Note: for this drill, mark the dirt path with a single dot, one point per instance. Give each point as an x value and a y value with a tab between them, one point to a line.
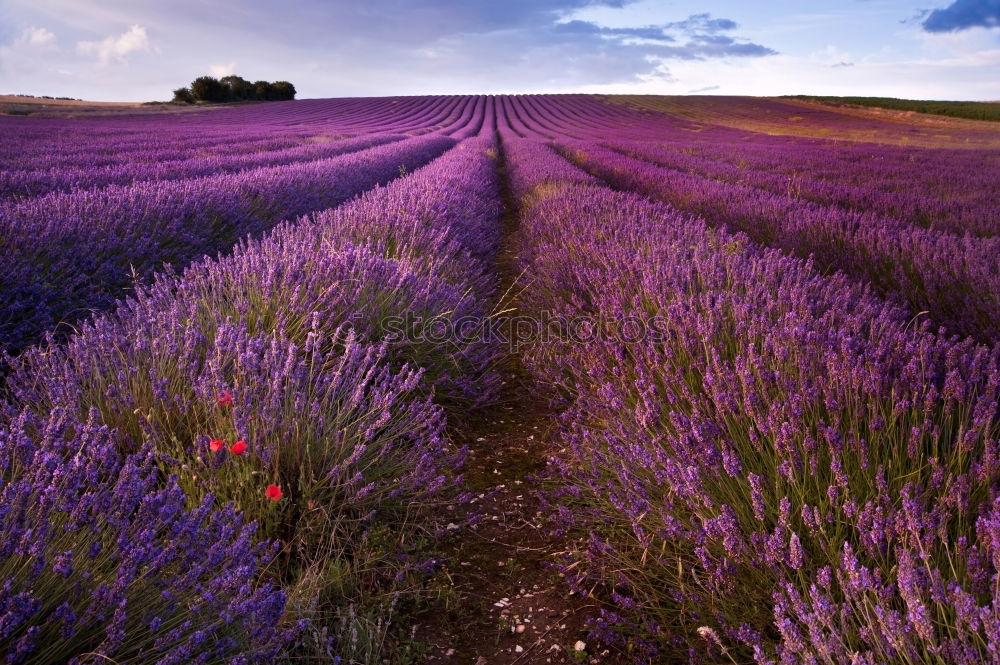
510	606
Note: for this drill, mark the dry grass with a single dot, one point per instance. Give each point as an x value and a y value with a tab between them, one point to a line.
788	117
73	108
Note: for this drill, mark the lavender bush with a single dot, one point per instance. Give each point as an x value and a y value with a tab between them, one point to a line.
954	278
72	252
789	472
101	559
266	325
267	376
944	212
25	183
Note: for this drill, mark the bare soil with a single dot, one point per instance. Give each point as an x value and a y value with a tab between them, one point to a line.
510	605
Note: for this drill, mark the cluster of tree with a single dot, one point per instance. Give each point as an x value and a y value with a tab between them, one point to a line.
233	89
71	99
972	110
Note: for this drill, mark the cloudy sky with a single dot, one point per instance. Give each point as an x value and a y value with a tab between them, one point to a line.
142	49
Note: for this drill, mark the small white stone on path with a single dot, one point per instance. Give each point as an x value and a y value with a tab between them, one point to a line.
518	649
580	645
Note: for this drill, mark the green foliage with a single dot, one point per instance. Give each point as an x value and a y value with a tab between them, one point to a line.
237	88
971	110
282	90
233	88
207	89
260	89
183	96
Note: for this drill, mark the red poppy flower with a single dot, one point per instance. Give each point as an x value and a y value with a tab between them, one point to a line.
215	445
274	493
238	448
224	398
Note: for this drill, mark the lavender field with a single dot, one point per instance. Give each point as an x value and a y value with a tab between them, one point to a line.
515	378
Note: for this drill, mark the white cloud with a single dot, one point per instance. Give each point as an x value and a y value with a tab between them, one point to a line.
218	71
36	38
28	55
960	77
133	40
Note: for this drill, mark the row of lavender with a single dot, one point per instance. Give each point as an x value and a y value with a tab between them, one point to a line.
955	278
107	154
899	242
262	383
73	252
772	465
910	206
36	146
955	174
80	233
946	189
24	183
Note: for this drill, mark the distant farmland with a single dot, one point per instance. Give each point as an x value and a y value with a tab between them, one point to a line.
972	110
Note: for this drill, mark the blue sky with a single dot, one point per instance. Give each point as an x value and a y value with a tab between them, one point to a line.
142	49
